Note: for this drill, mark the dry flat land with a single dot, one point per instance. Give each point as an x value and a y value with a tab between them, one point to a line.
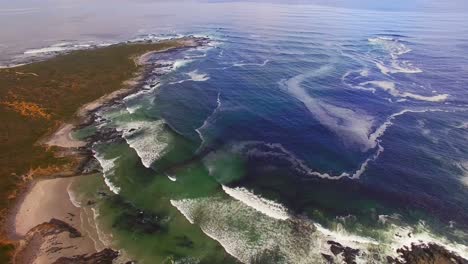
39	98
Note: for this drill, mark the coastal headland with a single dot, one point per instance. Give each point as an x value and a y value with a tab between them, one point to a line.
41	103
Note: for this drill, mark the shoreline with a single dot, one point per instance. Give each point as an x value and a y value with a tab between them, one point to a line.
30	191
57	186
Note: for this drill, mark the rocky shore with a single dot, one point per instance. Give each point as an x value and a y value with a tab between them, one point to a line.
46	225
49	228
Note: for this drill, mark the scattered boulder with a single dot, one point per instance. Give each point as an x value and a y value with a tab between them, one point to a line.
349	254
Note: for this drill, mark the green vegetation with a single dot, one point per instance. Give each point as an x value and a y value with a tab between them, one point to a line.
35	99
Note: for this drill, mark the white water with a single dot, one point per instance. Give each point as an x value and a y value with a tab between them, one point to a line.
207	121
180	63
390	87
107	166
463	166
267	207
198	77
277	150
171	178
352	126
395	49
251	64
147	138
233	224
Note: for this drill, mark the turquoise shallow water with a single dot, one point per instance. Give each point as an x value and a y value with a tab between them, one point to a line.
297	125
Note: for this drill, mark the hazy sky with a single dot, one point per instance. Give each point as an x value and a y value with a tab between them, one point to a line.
30	24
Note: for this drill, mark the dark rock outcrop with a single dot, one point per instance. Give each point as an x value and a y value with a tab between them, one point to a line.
426	254
61	226
106	256
349	254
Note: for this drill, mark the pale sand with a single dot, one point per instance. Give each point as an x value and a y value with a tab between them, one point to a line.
63	138
49	199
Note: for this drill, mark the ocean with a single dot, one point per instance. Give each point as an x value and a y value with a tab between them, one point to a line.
295	126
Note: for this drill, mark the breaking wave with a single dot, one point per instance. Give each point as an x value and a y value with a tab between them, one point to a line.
249	234
147	138
208	120
198	77
107	166
267	207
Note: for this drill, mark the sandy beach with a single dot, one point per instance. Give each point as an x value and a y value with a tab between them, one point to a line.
46	200
47	224
63	138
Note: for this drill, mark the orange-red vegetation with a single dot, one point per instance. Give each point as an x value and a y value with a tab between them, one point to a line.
28	109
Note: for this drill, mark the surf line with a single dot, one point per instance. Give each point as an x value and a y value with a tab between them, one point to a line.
375	137
207	122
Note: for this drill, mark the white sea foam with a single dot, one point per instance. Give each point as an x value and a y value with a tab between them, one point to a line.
155	37
132	109
251	64
104	238
195	76
463	166
107	166
395	48
357	87
64	47
277	150
364	73
397	67
390	87
399	236
383	219
198	77
208	119
256	148
72	197
342	236
351	125
184	208
267	207
181	63
171	177
463	125
245	233
48	50
147	138
147	89
379	132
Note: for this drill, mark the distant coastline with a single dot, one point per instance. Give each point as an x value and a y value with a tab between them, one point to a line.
38	204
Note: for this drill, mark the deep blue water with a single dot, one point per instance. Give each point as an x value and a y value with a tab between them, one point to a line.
304	84
356	114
